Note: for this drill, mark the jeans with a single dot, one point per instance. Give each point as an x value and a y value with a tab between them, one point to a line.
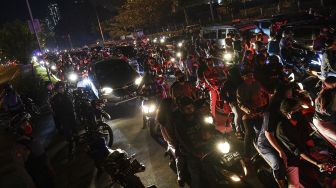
195	171
273	159
238	122
252	128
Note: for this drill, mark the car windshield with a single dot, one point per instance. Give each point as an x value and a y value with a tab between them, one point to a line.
127	51
114	72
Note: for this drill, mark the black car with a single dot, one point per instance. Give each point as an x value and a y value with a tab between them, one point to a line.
115	80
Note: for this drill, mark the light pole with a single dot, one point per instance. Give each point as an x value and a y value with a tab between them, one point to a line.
36	34
211	11
100	28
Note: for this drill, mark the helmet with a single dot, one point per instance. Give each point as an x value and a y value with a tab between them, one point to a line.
8	87
59	85
287	33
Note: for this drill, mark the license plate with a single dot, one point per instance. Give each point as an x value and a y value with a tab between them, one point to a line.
231	157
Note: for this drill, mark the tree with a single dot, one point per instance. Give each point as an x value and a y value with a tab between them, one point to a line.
143	13
16	41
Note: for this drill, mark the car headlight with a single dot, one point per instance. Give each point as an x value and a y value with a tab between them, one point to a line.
209	120
300	86
138	81
228	57
73	77
235	178
53	67
223	147
107	90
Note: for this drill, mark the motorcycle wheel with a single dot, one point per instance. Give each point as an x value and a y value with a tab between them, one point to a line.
108	132
152	127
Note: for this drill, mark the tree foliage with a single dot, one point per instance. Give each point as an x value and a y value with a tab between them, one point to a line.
16	41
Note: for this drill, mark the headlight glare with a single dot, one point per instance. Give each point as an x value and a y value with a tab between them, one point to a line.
138	81
73	77
107	90
223	147
228	57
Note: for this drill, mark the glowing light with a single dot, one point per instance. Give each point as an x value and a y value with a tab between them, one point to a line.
138	81
209	120
223	147
228	56
107	90
235	178
179	54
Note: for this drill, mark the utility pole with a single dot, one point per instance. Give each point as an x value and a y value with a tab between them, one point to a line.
36	34
211	11
70	42
185	16
100	28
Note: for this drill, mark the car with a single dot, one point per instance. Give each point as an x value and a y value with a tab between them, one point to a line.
217	33
131	54
304	32
115	80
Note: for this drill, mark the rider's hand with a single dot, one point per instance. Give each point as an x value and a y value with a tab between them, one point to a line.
284	157
323	166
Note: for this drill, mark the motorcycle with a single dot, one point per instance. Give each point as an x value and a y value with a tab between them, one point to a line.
121	167
149	108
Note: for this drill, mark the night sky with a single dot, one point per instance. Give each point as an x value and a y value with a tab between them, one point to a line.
11	10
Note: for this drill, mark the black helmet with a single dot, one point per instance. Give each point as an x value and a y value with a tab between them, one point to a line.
8	87
59	85
287	32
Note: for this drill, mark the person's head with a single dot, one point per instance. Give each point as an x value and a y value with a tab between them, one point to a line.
287	33
261	59
329	82
284	91
248	56
201	106
8	88
259	37
273	59
237	37
330	43
21	123
167	106
210	62
186	105
49	85
60	87
291	109
247	76
180	76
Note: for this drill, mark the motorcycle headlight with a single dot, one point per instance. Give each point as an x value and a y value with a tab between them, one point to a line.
180	44
223	147
228	57
235	178
147	109
138	81
178	54
172	59
107	90
208	120
73	77
53	67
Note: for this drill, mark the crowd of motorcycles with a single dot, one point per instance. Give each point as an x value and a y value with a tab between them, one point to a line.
224	162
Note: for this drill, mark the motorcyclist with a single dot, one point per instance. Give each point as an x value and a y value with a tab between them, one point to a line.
165	115
325	112
12	102
193	138
267	143
328	66
181	87
287	49
252	99
293	137
64	115
30	151
211	77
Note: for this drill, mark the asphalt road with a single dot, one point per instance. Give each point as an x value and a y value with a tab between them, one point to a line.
129	136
